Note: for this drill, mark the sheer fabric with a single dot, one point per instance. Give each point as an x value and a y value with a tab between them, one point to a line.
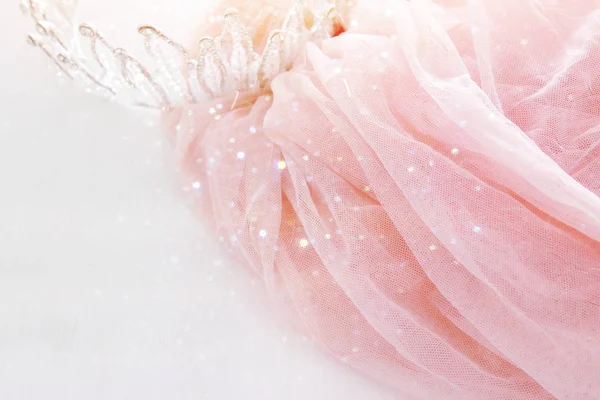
422	194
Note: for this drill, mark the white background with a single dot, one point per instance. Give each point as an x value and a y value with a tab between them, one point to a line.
109	288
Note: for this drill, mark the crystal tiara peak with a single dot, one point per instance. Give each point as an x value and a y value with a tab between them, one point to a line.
173	75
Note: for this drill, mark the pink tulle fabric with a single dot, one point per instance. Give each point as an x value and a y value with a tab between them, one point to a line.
422	194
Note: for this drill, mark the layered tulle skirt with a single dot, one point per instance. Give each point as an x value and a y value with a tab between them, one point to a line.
422	194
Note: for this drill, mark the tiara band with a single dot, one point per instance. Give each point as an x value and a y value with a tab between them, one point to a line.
174	75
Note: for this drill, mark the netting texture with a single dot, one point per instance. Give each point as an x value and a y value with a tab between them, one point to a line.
421	194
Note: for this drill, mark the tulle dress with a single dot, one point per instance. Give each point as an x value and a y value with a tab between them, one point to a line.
420	191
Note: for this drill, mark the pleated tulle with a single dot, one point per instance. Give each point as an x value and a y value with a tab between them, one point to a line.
422	194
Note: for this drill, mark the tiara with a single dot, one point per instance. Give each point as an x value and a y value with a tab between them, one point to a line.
173	75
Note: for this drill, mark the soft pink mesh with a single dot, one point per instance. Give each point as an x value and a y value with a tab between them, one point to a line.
422	192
